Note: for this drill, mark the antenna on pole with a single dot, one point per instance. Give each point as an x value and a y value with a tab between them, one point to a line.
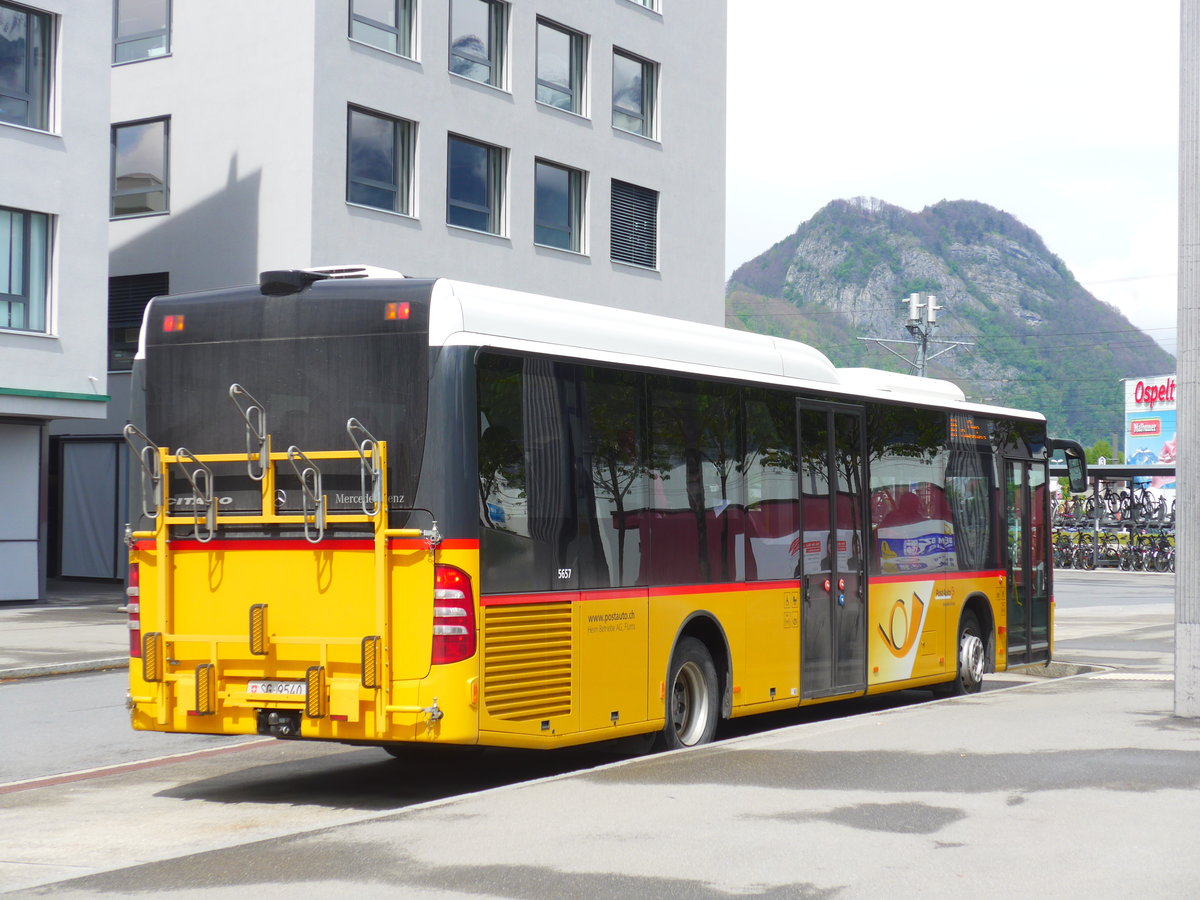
921	328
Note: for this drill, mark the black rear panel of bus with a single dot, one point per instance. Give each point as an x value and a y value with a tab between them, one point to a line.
340	349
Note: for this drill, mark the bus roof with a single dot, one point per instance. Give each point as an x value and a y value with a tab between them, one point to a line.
478	315
467	314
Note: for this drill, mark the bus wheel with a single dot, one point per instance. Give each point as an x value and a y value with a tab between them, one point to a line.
691	697
971	656
971	660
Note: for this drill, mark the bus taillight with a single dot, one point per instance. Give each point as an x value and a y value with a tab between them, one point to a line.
134	608
453	616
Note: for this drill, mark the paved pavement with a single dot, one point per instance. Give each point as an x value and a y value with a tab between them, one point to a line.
81	626
1081	786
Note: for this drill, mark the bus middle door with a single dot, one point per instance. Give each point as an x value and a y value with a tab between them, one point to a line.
833	584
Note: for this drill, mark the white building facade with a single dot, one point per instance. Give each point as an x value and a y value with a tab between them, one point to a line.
54	92
557	147
563	148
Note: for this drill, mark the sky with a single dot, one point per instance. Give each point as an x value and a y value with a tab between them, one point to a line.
1063	113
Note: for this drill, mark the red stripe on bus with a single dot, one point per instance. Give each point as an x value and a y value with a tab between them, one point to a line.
935	576
422	544
290	544
627	593
300	544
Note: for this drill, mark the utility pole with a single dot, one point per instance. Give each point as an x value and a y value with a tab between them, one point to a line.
1187	524
921	327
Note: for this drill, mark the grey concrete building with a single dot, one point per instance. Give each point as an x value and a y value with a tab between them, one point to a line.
54	83
558	147
574	149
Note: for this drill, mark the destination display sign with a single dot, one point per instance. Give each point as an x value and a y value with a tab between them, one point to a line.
966	429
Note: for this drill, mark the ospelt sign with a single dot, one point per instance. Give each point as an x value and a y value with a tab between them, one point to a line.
1150	420
1152	392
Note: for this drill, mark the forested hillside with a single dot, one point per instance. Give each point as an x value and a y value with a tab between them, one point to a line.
1040	340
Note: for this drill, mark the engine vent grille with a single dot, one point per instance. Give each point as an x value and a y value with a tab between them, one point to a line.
527	661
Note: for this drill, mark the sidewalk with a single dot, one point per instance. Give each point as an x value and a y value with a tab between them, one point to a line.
80	627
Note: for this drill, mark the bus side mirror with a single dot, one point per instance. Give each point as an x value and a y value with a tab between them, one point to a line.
1077	475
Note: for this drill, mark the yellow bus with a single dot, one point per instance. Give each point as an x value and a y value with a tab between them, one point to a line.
399	511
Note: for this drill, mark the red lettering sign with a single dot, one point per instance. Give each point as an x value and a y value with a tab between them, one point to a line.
1154	393
1145	427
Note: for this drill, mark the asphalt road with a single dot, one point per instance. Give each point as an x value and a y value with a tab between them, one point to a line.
106	798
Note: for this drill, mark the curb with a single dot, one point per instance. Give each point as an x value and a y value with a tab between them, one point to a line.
66	668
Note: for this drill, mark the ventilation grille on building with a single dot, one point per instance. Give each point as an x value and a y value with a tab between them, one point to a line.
527	661
634	224
129	294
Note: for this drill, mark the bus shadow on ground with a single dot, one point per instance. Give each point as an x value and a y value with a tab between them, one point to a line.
368	779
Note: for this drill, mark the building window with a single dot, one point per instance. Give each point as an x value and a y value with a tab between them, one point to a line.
475	185
634	225
560	67
25	66
386	24
139	168
24	269
141	29
558	207
649	4
379	161
478	32
634	87
127	299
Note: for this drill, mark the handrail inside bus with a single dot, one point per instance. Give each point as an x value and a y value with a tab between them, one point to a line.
256	431
369	470
312	494
150	459
202	496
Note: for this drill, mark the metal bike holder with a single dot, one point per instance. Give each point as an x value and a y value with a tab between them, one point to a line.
309	494
257	440
201	479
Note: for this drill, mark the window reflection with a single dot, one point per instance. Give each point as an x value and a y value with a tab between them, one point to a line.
139	184
142	30
24	67
477	39
386	24
378	166
474	180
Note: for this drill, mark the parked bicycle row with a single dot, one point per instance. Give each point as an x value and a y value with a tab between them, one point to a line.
1138	550
1112	508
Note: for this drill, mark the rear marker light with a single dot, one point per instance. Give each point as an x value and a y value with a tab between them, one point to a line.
135	611
453	616
173	323
397	311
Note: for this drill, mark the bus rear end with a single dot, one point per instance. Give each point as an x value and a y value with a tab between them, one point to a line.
283	579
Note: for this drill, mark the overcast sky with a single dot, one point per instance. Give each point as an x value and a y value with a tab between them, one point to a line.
1063	113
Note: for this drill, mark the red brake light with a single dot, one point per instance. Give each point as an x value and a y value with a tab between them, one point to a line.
397	311
134	608
173	323
453	616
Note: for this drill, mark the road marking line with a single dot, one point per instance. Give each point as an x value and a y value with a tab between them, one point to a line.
119	768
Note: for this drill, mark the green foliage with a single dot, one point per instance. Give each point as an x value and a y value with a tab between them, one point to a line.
1102	448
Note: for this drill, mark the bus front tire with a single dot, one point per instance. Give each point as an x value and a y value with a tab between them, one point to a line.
971	661
692	700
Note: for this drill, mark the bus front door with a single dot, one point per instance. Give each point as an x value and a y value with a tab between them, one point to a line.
1026	562
832	576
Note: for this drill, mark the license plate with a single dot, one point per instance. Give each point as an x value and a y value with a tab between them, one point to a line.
278	688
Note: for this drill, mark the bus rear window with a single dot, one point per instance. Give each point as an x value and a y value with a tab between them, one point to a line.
309	387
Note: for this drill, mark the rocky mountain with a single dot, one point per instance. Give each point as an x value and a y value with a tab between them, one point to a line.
1038	339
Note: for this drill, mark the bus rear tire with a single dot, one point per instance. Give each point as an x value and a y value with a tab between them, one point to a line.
692	699
971	661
